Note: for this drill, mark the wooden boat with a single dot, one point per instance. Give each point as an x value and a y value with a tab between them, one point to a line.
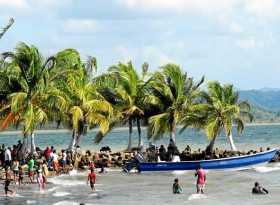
224	163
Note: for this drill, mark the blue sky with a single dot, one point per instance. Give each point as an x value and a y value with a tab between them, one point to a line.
233	41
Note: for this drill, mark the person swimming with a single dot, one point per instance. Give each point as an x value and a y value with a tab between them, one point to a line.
259	189
176	188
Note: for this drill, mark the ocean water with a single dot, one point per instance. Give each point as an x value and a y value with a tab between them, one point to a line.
253	137
115	187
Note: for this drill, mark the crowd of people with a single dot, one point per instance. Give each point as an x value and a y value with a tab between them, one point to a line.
34	167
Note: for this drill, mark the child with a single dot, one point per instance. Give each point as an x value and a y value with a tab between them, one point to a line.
40	180
176	187
7	182
15	165
92	179
20	176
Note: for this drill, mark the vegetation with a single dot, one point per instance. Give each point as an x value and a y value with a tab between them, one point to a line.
6	28
224	109
62	89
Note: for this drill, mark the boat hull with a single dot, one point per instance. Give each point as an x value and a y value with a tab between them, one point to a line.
225	163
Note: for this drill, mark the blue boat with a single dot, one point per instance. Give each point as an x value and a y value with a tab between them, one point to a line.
224	163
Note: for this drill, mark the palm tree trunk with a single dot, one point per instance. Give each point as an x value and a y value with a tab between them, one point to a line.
24	148
232	145
210	147
72	142
129	135
140	140
32	143
173	131
78	140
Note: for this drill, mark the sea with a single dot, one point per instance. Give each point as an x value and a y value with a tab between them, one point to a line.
229	187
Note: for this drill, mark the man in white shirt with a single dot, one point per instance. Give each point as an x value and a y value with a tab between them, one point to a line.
8	157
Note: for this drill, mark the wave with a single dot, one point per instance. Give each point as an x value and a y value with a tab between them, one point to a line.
31	202
196	197
179	172
58	194
66	182
265	169
66	203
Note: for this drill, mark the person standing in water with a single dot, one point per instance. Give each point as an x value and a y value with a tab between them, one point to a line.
30	169
20	176
92	179
176	188
40	180
8	180
201	180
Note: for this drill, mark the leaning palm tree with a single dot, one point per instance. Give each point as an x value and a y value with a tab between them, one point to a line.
127	94
224	110
6	28
85	105
174	93
29	104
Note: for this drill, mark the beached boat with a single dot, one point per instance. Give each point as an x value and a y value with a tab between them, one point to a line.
224	163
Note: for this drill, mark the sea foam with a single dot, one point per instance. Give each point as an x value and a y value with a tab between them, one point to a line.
58	194
197	196
266	169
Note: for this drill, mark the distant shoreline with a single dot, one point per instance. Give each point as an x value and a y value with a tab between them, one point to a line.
51	131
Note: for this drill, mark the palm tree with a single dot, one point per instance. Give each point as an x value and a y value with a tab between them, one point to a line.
29	103
127	92
85	105
6	28
224	110
174	93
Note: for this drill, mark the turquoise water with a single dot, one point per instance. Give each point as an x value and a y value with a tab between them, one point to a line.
253	137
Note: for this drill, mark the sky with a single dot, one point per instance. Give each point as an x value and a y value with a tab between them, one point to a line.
233	41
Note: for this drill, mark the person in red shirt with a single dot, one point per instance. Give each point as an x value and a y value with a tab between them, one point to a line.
92	179
47	153
201	179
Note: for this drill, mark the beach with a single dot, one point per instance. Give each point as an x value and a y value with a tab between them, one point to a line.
115	187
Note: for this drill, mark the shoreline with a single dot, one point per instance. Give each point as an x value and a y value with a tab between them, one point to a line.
51	131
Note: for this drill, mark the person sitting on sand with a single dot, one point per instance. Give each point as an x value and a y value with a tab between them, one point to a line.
201	180
8	180
258	189
176	188
92	179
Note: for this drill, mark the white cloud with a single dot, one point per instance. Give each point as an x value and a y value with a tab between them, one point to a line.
80	26
235	27
247	43
153	53
259	8
124	53
263	8
180	5
13	3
